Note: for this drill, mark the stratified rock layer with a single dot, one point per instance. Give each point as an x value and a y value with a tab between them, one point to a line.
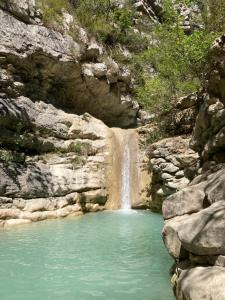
58	160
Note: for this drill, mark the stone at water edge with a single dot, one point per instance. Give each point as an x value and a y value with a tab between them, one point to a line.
171	238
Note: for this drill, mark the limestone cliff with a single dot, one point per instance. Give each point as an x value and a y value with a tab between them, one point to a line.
54	156
46	65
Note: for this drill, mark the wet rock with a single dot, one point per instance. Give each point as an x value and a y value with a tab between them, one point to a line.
15	222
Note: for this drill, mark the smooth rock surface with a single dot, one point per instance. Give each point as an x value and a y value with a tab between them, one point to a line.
203	233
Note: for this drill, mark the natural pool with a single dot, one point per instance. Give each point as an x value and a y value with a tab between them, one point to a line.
110	256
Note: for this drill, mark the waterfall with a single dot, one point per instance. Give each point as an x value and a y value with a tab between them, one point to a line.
126	178
123	179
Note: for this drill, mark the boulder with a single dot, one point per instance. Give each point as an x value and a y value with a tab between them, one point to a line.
171	238
201	283
203	233
186	201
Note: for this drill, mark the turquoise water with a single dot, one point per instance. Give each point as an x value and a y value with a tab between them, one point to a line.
110	256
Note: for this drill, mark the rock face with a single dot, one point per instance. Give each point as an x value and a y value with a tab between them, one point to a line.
194	216
57	162
173	165
208	137
152	8
25	10
182	118
54	156
45	64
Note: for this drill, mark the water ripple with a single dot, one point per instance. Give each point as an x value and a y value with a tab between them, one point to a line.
113	256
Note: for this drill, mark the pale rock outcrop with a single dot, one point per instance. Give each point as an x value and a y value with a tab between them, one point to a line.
191	15
173	165
55	156
152	8
37	59
57	163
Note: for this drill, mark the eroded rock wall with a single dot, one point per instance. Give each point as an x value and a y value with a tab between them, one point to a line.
50	160
69	73
54	155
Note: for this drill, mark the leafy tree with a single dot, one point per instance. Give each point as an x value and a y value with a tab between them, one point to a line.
179	60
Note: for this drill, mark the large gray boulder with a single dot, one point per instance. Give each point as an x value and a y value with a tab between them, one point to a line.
202	192
203	233
171	238
201	283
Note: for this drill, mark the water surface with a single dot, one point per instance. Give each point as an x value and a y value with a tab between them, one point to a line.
110	256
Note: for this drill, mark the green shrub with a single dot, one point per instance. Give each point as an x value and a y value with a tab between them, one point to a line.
77	148
156	135
52	11
105	20
80	148
153	95
6	155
